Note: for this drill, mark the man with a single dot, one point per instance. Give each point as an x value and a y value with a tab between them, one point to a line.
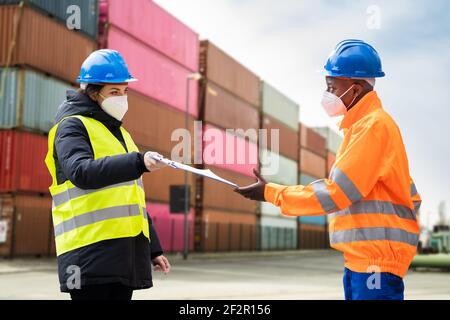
370	196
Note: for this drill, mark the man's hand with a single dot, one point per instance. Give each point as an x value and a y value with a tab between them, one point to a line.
161	264
254	191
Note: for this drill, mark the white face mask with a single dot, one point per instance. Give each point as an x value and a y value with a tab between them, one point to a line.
333	104
115	106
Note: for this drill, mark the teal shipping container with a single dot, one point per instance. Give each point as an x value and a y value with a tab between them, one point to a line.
68	12
277	168
278	233
29	99
277	105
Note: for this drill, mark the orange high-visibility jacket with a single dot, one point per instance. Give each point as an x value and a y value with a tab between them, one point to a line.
369	194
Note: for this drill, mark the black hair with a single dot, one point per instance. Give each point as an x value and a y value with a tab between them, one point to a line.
91	89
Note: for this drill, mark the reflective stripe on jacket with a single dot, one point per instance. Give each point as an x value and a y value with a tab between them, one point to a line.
369	194
82	217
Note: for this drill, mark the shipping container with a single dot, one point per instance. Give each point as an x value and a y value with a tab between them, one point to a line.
312	164
229	112
313	220
170	227
268	209
157	183
287	138
76	15
22	166
41	43
159	77
228	231
29	224
278	169
149	23
333	138
151	124
278	233
221	196
280	107
228	151
331	158
306	179
313	141
312	237
30	99
226	72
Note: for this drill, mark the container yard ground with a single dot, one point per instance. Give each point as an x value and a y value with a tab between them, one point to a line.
254	275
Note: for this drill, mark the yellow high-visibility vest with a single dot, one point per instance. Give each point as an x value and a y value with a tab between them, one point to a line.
83	217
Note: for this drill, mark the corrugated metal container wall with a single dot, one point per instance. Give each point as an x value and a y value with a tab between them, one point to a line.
288	138
154	26
307	179
312	141
159	77
331	158
42	43
314	220
228	151
220	196
22	166
312	237
277	105
223	70
170	227
284	172
278	233
157	183
32	229
334	140
312	164
31	99
151	124
7	216
228	231
228	111
88	12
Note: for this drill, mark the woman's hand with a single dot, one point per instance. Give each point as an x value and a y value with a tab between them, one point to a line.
151	163
161	264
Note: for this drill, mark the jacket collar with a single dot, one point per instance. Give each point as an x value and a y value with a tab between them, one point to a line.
369	103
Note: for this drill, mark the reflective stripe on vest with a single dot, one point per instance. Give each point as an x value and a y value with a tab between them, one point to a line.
378	233
376	206
83	217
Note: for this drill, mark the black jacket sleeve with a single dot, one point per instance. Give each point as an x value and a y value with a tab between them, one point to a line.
155	245
76	159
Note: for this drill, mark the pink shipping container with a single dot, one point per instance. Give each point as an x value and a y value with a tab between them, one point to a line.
149	23
227	151
170	227
22	166
159	77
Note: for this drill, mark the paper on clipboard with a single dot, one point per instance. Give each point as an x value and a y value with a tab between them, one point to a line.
201	172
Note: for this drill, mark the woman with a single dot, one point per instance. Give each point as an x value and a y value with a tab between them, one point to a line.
105	240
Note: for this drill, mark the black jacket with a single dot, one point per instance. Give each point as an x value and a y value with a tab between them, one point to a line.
124	260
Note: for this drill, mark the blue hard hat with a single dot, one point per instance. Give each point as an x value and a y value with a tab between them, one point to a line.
104	66
354	59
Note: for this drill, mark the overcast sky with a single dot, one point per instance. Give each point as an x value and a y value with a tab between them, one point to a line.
285	42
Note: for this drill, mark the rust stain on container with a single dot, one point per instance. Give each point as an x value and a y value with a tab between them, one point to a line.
226	72
228	111
288	138
220	196
41	42
312	140
312	164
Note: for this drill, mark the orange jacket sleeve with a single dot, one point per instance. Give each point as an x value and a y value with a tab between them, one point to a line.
359	165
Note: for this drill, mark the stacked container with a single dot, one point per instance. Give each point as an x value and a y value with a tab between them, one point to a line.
161	52
278	164
229	100
40	59
313	162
